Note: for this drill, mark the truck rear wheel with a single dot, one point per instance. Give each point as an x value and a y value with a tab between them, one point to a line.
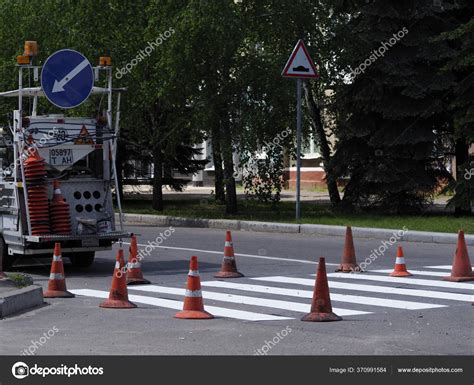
82	260
5	259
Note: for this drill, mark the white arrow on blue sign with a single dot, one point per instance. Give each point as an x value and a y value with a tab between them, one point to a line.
67	78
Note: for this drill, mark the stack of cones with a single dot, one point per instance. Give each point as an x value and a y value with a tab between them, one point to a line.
229	266
134	268
57	281
35	176
193	307
462	269
400	269
118	296
321	308
59	212
348	263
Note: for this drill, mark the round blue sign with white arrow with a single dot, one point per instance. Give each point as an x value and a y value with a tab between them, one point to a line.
67	78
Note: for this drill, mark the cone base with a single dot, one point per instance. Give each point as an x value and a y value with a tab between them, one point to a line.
137	281
193	314
228	274
401	274
57	294
321	317
349	268
117	304
459	279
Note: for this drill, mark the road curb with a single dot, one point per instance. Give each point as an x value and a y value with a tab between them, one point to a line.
15	301
274	227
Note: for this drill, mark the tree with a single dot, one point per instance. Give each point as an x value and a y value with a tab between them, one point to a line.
389	112
461	64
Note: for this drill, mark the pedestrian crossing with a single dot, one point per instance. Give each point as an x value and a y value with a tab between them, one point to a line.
282	298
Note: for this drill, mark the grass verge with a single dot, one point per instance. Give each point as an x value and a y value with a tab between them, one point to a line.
311	213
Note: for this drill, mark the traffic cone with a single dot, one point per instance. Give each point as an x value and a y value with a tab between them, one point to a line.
229	267
321	309
57	281
400	269
462	269
349	263
193	307
134	267
118	296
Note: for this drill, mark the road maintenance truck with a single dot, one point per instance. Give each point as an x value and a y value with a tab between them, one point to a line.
58	171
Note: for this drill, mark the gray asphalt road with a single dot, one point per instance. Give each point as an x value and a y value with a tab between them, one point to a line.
381	316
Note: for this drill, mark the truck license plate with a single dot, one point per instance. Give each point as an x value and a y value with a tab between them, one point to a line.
61	157
90	242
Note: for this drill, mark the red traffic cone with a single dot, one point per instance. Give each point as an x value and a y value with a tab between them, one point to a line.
134	267
229	267
57	281
348	263
118	296
462	269
193	307
400	269
321	308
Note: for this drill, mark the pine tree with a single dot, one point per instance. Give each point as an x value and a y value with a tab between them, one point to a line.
388	114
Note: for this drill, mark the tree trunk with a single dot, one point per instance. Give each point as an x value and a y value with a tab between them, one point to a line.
462	157
217	158
315	115
157	179
229	180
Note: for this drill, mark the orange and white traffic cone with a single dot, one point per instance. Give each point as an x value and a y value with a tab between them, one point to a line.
193	307
349	263
229	266
321	308
134	266
118	296
462	269
400	269
57	281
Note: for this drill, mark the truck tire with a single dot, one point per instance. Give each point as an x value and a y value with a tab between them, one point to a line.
5	259
82	260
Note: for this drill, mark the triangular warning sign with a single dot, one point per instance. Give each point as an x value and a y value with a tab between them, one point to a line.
84	137
300	64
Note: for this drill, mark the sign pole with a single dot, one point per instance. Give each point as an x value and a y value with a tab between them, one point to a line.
299	66
298	149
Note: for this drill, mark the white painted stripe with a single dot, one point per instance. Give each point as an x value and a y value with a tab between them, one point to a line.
178	305
415	272
237	254
117	264
57	258
193	273
228	244
193	293
372	288
441	267
408	281
226	258
244	300
400	260
370	301
56	276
